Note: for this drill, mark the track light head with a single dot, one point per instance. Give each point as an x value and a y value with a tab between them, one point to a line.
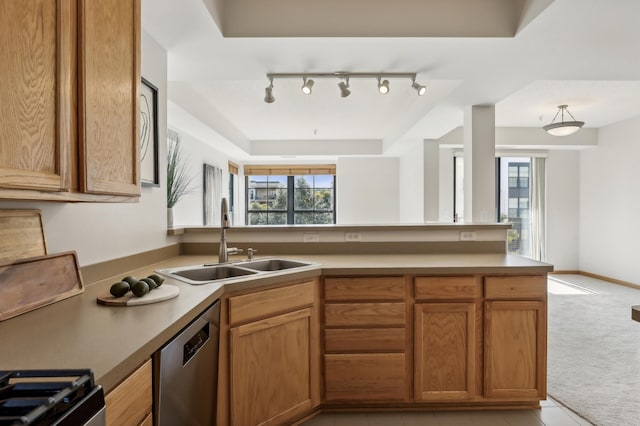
307	85
344	88
383	86
268	93
419	88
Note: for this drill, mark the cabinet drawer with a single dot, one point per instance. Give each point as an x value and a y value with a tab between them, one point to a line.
365	377
448	288
365	340
364	289
364	314
520	287
263	303
129	403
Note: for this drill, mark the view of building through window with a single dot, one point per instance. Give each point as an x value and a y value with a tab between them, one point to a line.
513	196
514	203
280	200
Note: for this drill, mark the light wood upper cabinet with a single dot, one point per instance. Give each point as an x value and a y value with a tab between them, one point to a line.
35	94
70	72
109	49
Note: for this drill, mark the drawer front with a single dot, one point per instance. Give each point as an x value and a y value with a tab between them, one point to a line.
364	314
365	377
516	287
264	303
364	289
429	288
365	340
130	402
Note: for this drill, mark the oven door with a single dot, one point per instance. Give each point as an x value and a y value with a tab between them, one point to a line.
89	411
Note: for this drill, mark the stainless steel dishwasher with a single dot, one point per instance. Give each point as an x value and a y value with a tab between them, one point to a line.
187	373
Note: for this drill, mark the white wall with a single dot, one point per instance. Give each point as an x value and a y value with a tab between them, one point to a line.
563	209
189	210
610	203
446	185
411	184
367	190
99	231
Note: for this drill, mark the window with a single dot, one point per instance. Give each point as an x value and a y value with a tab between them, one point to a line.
300	199
515	187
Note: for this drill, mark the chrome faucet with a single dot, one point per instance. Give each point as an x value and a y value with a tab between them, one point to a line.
225	223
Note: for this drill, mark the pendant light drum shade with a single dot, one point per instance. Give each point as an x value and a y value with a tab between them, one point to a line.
563	128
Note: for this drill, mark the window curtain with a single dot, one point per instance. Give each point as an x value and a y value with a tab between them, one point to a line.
538	210
212	195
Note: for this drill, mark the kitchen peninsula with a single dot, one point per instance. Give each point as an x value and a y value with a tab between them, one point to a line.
417	330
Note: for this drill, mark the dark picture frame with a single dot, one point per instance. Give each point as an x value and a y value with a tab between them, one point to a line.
149	172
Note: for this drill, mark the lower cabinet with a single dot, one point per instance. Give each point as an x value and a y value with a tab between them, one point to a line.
365	340
444	351
274	359
515	349
515	337
365	377
129	403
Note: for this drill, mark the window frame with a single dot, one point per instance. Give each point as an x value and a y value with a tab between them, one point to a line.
290	210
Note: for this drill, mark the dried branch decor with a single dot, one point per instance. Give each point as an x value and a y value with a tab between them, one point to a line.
178	178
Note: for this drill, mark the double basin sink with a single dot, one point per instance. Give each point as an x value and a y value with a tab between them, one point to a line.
206	274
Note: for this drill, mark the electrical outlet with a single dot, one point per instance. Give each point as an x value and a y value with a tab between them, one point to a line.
311	237
467	236
352	237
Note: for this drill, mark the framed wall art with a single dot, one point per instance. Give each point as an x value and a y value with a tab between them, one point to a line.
149	173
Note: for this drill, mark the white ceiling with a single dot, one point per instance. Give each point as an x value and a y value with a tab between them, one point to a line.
580	52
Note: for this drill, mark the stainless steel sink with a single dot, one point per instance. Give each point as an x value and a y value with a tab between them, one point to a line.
206	274
273	264
223	272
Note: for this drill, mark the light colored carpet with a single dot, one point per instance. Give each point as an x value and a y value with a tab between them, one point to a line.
594	349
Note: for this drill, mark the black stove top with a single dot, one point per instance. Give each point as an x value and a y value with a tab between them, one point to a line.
48	397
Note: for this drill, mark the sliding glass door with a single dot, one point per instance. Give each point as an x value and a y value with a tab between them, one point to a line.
520	199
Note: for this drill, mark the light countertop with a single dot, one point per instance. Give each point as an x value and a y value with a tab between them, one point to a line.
113	341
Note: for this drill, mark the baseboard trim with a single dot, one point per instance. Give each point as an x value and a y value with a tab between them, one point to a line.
609	279
565	272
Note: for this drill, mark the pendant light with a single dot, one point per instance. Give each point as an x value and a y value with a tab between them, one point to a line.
563	128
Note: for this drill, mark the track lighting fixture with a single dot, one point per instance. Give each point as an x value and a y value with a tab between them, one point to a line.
563	128
268	93
418	87
307	85
343	85
383	86
344	88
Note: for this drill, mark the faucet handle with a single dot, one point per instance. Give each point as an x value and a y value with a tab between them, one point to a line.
250	253
234	250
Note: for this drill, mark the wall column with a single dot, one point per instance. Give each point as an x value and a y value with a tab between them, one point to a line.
479	163
431	180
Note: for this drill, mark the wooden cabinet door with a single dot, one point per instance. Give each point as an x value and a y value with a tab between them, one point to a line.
35	94
444	357
515	349
109	68
271	369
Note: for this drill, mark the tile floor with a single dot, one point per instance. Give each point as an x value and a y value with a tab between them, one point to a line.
552	413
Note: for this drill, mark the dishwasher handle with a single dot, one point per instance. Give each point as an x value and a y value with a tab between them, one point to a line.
195	343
